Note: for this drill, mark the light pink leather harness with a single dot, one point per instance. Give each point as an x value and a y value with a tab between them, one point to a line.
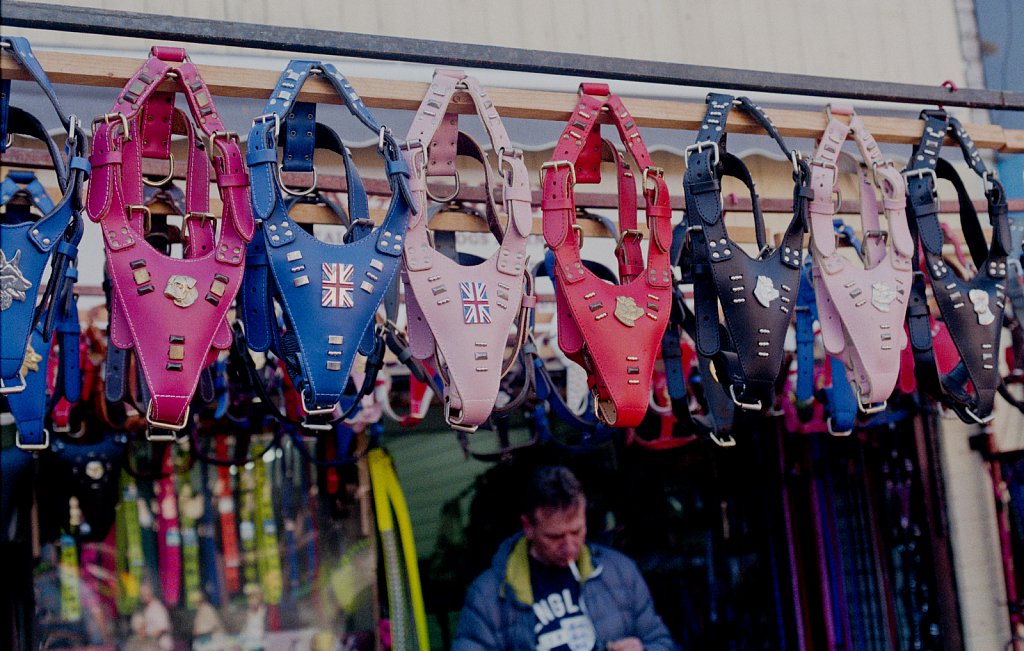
861	306
170	310
461	313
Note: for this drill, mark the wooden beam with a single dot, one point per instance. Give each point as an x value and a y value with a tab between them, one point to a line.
114	72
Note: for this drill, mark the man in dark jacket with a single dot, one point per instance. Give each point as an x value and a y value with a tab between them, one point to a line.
548	590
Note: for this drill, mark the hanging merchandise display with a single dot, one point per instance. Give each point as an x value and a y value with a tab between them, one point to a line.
757	426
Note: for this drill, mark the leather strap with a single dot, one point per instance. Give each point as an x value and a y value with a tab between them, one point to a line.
972	309
153	292
447	305
619	376
861	305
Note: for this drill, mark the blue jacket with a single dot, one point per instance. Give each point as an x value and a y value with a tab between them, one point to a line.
498	612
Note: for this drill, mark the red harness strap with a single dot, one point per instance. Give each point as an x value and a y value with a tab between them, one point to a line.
613	331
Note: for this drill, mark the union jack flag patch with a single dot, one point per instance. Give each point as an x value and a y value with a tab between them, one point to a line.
475	306
336	285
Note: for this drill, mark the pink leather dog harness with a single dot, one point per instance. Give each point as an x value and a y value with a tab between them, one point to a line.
861	307
613	331
170	310
465	313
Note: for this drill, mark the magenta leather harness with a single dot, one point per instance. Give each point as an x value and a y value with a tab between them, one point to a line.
171	311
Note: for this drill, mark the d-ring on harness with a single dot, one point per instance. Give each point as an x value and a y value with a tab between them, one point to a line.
170	310
861	306
465	312
613	331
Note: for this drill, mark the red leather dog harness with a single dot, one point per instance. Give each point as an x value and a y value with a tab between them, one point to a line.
171	311
613	331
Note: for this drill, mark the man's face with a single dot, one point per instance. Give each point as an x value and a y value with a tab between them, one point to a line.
556	535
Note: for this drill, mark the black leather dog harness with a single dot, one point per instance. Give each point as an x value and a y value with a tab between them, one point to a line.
971	308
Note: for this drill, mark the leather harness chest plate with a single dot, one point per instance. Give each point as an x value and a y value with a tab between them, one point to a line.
172	311
612	330
329	293
465	313
861	305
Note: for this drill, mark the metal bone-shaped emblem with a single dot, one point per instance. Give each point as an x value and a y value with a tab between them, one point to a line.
12	282
882	296
765	291
182	290
979	298
627	311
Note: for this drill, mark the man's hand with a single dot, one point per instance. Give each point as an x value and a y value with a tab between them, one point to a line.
626	644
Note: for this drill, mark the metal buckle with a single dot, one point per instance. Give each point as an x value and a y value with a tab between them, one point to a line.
880	234
295	193
870	408
833	432
579	235
652	171
166	179
172	427
18	388
266	118
469	429
455	192
554	165
201	217
147	216
212	138
634	233
728	442
105	118
315	412
988	179
874	170
795	156
380	138
409	147
749	406
697	147
73	125
32	447
979	420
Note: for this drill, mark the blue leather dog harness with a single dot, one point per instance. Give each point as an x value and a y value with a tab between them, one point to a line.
326	322
27	246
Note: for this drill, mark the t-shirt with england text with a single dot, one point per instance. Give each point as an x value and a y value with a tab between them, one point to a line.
562	622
